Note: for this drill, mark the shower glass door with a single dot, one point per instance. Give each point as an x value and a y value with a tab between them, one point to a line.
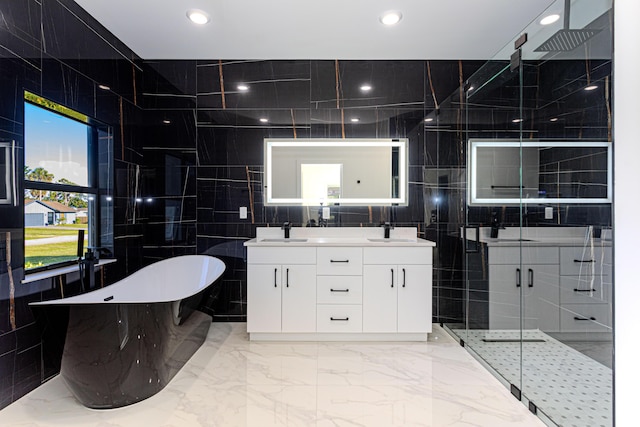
535	228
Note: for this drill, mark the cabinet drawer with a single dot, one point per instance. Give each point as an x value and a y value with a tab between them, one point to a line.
398	255
585	289
530	255
339	290
585	260
340	261
585	318
339	318
271	255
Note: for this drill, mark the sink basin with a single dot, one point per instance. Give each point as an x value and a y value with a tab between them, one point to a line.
283	240
391	240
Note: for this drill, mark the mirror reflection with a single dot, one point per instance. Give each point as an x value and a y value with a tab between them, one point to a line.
552	172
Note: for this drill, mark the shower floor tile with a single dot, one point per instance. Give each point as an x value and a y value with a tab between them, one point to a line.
569	387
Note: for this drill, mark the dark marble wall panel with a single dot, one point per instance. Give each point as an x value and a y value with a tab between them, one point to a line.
53	48
20	31
170	84
73	37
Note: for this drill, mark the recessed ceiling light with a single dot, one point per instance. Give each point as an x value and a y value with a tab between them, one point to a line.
391	17
166	122
550	19
198	16
516	120
108	198
428	119
365	88
470	88
104	87
243	87
149	200
264	120
591	87
355	119
553	119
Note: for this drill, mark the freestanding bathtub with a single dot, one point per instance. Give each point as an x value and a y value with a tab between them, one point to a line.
126	341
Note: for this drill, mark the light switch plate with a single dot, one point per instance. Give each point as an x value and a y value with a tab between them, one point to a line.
243	212
548	212
326	212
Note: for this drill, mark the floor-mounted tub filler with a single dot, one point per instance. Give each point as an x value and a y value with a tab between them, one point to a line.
126	341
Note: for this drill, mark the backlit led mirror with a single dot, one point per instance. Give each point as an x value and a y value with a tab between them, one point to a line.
315	172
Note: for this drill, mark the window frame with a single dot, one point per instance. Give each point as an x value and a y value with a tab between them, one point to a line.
93	189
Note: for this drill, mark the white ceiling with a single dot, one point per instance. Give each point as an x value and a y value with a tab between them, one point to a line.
316	29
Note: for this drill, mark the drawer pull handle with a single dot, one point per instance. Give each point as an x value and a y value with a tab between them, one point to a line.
340	319
584	290
517	277
339	290
583	318
392	277
530	278
404	278
287	277
275	277
584	260
339	260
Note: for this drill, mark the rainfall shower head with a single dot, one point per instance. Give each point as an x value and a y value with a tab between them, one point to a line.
566	40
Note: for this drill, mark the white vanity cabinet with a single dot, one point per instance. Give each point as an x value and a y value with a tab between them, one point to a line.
585	288
397	296
281	290
537	278
335	285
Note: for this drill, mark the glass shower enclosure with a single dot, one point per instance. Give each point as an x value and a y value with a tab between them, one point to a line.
535	220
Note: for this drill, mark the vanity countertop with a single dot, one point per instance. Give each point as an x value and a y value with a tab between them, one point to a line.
540	236
338	236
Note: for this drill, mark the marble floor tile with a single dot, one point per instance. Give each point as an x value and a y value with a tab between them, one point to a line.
231	382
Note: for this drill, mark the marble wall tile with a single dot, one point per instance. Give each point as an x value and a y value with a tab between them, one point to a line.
272	84
169	84
75	38
20	31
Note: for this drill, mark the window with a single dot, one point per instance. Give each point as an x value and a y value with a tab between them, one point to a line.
60	186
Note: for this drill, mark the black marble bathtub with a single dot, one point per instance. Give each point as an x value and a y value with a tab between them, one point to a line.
120	349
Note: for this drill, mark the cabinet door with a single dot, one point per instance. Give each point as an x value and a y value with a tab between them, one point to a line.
264	298
414	298
298	298
541	288
380	298
504	297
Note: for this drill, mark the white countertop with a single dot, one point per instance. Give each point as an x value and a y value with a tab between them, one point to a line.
539	236
338	236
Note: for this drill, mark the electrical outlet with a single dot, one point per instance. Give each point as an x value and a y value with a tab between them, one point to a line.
548	212
243	212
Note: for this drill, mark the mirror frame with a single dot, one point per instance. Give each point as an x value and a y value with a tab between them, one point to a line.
472	168
401	143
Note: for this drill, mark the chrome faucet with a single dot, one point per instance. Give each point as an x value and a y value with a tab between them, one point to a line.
287	228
